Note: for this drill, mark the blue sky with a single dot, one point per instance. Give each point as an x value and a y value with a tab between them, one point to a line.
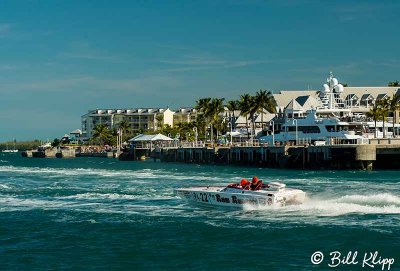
60	58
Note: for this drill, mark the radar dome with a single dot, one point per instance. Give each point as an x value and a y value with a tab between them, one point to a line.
326	88
339	88
334	82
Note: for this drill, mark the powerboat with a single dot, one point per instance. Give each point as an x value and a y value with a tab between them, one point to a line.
233	195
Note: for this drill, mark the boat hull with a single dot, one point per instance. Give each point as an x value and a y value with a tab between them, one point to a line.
231	197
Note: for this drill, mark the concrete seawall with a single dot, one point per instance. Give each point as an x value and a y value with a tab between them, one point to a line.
64	153
302	157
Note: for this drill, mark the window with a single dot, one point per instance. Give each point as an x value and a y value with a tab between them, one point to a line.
305	129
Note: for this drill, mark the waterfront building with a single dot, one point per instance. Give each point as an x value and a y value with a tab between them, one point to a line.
185	115
356	101
332	100
349	104
140	119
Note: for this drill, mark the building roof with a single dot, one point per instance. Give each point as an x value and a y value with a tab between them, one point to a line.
308	102
374	91
241	120
293	106
185	110
351	96
284	97
302	99
157	137
381	96
366	97
266	117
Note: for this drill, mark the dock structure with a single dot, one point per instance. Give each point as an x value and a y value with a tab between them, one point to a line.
50	153
363	156
377	154
63	153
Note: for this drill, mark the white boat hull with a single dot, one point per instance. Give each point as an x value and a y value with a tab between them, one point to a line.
9	151
234	197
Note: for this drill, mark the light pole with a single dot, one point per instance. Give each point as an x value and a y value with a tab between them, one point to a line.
295	121
230	126
273	131
212	137
178	137
118	132
195	135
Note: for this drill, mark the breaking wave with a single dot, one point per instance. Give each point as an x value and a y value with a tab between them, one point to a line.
372	200
344	205
106	173
116	196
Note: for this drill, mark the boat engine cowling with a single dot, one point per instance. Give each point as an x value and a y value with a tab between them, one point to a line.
276	185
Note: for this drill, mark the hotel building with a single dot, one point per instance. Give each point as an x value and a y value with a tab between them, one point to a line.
139	118
185	115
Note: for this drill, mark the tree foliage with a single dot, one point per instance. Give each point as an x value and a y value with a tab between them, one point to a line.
210	110
103	134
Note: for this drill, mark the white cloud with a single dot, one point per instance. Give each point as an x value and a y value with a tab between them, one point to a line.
193	63
90	56
362	10
83	50
93	85
4	29
9	67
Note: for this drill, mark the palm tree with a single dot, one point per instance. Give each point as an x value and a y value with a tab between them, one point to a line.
201	125
102	133
126	128
202	106
159	119
394	84
245	106
215	109
264	101
232	107
394	104
384	106
210	109
253	111
375	114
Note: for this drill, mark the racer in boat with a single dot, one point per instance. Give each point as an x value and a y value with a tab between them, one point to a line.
245	184
256	184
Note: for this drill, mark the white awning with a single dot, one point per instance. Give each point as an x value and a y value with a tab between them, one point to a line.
157	137
76	132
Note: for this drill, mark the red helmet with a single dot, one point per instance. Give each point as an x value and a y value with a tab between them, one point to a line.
244	182
254	180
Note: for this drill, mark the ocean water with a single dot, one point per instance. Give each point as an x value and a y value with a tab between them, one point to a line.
103	214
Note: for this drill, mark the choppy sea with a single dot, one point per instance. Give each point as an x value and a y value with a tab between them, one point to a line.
103	214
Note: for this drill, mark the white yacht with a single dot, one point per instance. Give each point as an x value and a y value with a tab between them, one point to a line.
312	128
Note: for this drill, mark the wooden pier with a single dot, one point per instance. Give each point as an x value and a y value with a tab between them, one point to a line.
378	154
365	156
